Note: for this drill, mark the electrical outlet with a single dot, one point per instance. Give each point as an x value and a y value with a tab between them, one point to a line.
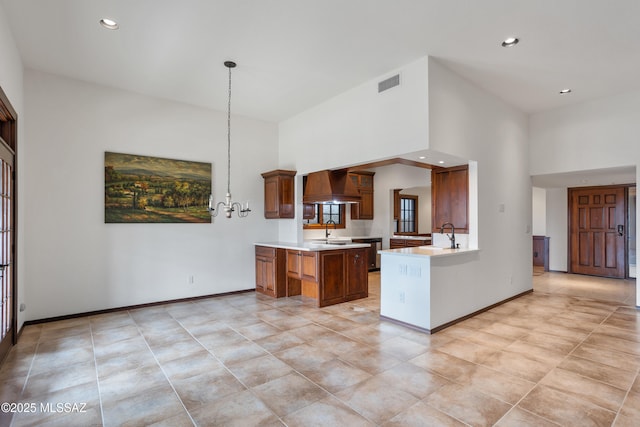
401	297
192	280
23	307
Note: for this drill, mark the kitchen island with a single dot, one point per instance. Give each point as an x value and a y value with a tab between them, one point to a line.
427	287
329	271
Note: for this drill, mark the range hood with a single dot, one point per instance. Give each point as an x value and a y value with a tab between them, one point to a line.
330	187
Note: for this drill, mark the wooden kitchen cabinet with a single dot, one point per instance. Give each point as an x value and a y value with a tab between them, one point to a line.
343	276
396	204
308	211
357	283
541	252
302	272
310	266
450	198
294	264
270	271
331	277
294	272
279	194
363	180
408	243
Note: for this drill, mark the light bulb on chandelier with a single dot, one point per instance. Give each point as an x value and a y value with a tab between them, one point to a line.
228	206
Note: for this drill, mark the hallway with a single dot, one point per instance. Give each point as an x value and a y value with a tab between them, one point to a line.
599	288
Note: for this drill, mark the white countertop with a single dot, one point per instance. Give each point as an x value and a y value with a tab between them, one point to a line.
428	251
312	246
412	237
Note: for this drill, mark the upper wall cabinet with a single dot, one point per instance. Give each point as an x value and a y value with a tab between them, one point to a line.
279	194
450	197
364	182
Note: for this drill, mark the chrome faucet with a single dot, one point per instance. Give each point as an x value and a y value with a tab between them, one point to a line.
453	234
326	228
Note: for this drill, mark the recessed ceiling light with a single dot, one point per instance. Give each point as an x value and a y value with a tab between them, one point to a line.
510	41
441	162
563	91
109	24
422	157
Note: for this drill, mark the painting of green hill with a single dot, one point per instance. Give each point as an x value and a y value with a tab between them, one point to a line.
144	189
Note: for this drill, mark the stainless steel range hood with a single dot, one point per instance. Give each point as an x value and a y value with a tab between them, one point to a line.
330	187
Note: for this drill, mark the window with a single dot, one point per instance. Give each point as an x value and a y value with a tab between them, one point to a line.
324	213
408	220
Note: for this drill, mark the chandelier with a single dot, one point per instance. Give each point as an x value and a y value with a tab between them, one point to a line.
228	206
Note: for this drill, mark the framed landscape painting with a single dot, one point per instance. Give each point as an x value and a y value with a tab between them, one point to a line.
146	189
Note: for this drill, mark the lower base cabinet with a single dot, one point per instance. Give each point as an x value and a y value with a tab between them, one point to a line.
271	271
357	274
331	277
343	276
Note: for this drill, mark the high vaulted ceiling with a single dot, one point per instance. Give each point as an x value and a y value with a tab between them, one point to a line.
293	54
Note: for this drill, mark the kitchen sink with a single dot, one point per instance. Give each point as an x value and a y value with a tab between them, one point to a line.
331	242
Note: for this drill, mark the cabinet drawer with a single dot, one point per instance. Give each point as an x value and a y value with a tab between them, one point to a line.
396	243
265	251
413	243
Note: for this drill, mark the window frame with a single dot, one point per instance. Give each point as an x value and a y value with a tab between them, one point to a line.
320	224
415	215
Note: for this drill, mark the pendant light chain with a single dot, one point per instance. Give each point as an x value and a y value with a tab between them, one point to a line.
228	206
229	137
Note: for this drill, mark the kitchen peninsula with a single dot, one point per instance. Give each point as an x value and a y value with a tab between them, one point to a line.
329	271
427	287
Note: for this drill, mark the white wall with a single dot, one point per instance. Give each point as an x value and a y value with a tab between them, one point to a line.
598	134
461	120
539	211
355	127
592	135
360	125
470	123
557	227
76	262
11	81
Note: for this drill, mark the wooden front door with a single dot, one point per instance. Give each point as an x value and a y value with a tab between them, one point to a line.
597	231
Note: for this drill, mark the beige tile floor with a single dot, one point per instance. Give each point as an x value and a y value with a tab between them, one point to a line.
567	354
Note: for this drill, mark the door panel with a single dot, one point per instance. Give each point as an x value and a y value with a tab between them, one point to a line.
597	214
8	304
332	277
6	249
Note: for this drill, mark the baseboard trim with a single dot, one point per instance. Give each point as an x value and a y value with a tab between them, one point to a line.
458	320
405	324
128	307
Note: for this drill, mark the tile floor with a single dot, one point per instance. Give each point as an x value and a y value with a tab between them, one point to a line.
557	356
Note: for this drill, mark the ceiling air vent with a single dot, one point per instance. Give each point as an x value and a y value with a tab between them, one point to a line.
389	83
